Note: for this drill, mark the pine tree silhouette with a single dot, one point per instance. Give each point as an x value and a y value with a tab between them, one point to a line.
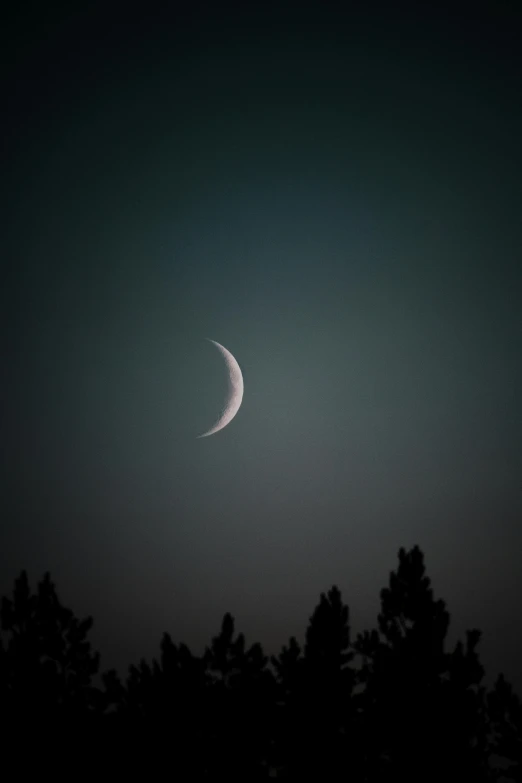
423	708
330	681
290	700
241	705
46	671
505	710
318	717
47	662
164	709
411	710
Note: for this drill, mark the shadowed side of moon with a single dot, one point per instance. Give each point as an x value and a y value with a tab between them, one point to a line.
235	391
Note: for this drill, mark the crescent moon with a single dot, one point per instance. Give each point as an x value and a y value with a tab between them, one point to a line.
235	391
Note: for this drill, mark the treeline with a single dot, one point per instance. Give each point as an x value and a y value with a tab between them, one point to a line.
391	704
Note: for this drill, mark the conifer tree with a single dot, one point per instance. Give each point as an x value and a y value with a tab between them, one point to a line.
421	702
241	706
47	661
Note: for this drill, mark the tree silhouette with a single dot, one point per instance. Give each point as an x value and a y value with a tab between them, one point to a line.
289	709
46	671
395	704
505	709
330	681
420	703
316	689
47	662
160	709
241	706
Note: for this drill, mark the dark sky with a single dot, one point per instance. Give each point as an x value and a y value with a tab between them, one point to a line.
334	196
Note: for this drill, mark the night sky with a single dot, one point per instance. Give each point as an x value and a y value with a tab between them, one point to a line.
336	197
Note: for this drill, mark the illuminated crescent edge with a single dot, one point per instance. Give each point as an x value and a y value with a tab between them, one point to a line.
236	388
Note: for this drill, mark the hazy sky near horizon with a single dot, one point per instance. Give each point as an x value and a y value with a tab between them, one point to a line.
335	198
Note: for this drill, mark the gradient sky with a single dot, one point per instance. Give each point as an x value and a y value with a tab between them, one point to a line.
334	197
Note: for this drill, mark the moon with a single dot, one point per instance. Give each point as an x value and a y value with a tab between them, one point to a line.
235	391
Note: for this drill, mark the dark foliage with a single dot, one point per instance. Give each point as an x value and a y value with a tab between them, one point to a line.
419	701
394	703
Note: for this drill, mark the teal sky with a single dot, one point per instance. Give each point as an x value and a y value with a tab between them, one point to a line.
337	201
